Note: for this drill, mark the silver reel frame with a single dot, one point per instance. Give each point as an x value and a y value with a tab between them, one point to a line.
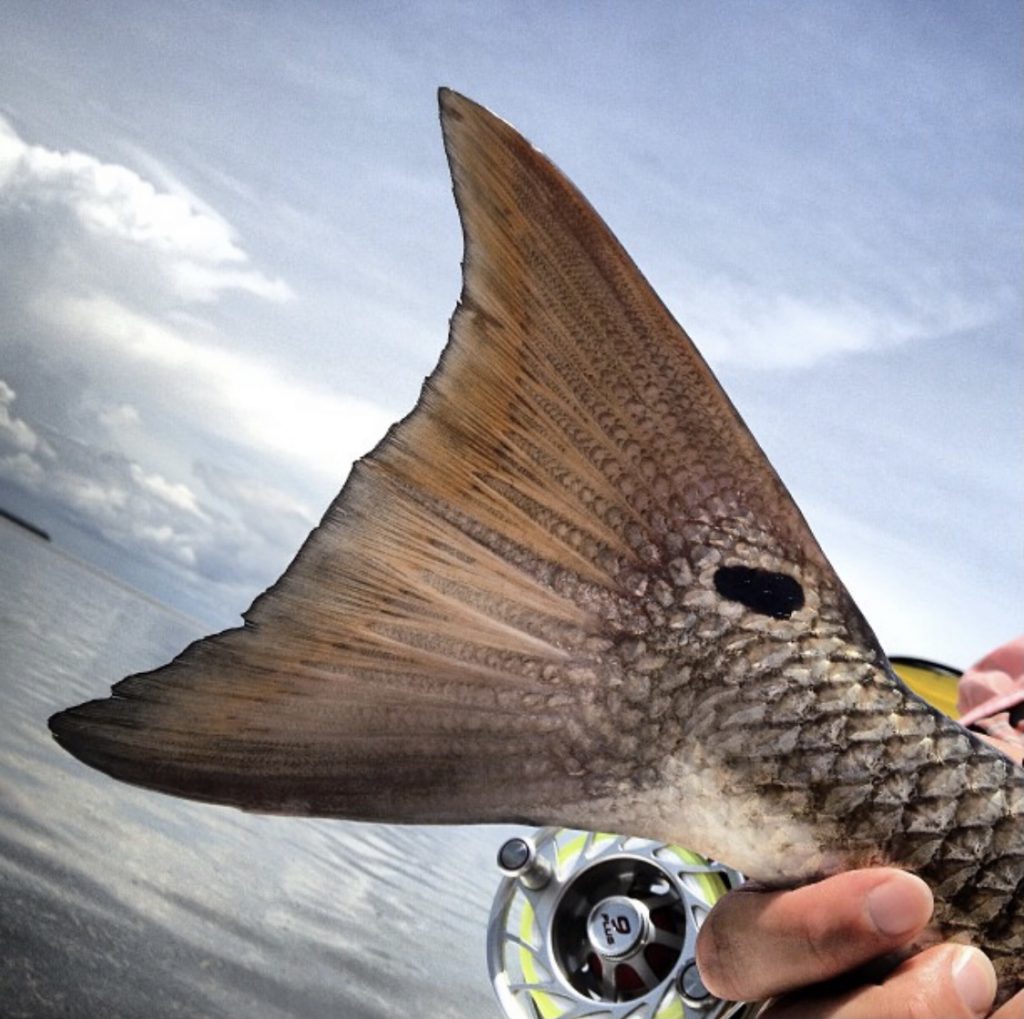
542	875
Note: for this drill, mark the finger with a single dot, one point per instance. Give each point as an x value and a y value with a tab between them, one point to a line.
944	982
754	945
1013	1009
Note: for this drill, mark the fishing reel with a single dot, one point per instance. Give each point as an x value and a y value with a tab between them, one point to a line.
591	926
603	926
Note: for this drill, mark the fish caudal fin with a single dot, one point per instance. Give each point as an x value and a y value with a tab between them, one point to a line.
462	638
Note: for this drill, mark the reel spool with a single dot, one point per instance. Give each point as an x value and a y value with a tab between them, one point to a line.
603	926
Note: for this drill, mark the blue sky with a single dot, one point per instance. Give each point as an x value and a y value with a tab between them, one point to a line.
228	255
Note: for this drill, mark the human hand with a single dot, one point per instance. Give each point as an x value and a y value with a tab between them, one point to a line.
786	945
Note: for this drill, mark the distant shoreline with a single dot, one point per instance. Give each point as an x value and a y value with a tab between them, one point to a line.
22	522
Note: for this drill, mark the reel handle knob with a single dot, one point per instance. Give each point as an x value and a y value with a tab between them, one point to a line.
518	858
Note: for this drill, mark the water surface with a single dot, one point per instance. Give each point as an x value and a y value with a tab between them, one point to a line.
117	902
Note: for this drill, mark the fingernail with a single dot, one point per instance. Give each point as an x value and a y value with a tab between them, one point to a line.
896	907
975	980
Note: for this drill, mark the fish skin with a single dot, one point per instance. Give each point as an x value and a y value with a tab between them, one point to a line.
513	610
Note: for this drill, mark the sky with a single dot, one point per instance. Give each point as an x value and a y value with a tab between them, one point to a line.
228	256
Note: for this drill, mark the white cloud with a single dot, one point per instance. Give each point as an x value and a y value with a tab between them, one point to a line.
23	470
212	527
118	416
253	494
195	246
103	501
239	396
749	325
174	493
108	493
205	282
166	541
103	274
14	432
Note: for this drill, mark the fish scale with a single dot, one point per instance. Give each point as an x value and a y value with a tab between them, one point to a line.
569	589
899	783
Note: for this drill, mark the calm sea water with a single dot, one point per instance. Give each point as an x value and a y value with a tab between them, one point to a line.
116	902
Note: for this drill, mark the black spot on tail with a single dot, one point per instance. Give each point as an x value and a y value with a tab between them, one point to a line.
772	594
